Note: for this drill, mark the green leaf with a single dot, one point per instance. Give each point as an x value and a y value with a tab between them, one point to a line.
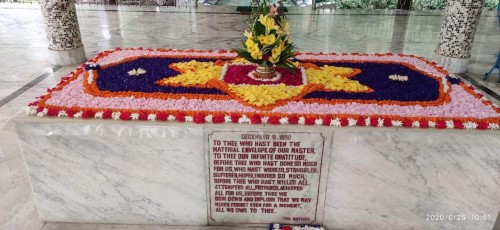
288	66
245	54
259	28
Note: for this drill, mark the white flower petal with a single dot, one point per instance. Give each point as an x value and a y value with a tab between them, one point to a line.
152	117
493	126
396	123
78	115
115	115
132	72
98	114
318	121
449	124
367	121
335	122
141	71
302	120
134	116
244	120
380	122
209	118
28	110
470	125
351	122
284	120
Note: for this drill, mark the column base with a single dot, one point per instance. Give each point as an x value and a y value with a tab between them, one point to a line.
67	57
453	65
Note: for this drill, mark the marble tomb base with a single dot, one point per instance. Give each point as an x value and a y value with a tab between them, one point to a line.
105	171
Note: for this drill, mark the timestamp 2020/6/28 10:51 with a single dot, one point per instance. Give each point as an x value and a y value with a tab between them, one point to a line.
457	217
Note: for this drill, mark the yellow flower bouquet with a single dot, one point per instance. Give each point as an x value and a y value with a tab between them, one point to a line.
268	37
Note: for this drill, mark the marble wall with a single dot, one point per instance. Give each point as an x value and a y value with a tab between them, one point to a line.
116	173
154	173
17	207
398	177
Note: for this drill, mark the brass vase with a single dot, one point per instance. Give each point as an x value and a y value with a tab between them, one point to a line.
264	72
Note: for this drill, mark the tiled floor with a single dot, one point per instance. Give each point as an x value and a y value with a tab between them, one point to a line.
24	57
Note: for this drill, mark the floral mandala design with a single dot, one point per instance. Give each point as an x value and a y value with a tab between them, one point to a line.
232	78
379	90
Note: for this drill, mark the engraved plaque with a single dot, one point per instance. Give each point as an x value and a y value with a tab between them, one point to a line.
263	176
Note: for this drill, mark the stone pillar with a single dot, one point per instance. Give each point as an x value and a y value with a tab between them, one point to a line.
404	5
457	34
63	32
399	29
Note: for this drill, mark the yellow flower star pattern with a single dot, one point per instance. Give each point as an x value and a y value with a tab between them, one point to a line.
334	79
193	73
263	95
203	74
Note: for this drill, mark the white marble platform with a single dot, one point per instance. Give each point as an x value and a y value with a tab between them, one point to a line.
18	210
95	171
116	174
398	177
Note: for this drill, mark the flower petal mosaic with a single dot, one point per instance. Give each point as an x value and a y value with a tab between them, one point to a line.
379	90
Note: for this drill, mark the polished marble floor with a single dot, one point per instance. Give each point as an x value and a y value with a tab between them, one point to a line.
25	71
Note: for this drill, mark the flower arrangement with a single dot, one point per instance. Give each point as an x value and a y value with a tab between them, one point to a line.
203	91
268	40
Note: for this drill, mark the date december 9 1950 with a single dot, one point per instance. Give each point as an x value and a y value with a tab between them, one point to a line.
457	217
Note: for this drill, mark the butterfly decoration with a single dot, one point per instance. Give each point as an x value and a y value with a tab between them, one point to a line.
396	77
137	72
